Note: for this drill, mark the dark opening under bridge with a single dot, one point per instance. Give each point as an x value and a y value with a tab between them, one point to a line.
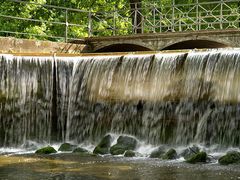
139	27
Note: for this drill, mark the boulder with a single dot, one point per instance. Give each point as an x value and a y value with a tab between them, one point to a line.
83	152
46	150
104	146
80	150
124	143
190	151
129	153
66	147
170	154
198	157
157	153
230	158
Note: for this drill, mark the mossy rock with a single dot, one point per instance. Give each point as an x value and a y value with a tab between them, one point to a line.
83	152
190	151
129	153
129	142
104	146
99	150
80	150
198	157
124	143
116	150
157	153
170	154
46	150
66	147
230	158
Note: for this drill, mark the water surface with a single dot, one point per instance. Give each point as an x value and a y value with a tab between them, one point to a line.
74	166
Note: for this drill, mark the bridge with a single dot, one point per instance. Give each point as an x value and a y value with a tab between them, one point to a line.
165	41
139	27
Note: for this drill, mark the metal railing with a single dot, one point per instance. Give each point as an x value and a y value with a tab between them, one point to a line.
65	24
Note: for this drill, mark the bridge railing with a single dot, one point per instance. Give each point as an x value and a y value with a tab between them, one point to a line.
224	14
66	24
156	17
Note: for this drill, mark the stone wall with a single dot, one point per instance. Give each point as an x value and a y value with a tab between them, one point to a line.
14	45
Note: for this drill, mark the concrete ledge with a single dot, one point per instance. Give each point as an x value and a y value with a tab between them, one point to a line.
14	45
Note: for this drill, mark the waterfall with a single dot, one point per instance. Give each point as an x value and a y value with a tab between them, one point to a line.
162	98
25	99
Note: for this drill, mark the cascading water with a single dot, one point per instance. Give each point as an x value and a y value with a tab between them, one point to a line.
25	99
162	98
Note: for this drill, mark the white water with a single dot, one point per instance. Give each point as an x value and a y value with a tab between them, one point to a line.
175	99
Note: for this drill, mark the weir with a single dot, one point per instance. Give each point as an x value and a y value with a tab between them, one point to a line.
174	98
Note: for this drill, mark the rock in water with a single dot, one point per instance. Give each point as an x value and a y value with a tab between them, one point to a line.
83	152
46	150
66	147
104	146
124	143
198	157
190	151
157	153
129	153
170	154
80	150
230	158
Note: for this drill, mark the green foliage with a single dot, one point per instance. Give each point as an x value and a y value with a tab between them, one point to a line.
104	21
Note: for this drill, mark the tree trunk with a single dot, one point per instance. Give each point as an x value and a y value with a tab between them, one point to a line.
136	16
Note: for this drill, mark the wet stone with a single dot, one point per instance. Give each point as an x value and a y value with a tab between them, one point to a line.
67	147
157	153
187	153
170	154
198	157
80	150
129	153
46	150
124	143
104	146
230	158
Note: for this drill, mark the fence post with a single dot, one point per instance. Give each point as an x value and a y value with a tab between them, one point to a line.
66	26
160	17
173	14
90	23
197	16
154	17
135	19
114	20
221	15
